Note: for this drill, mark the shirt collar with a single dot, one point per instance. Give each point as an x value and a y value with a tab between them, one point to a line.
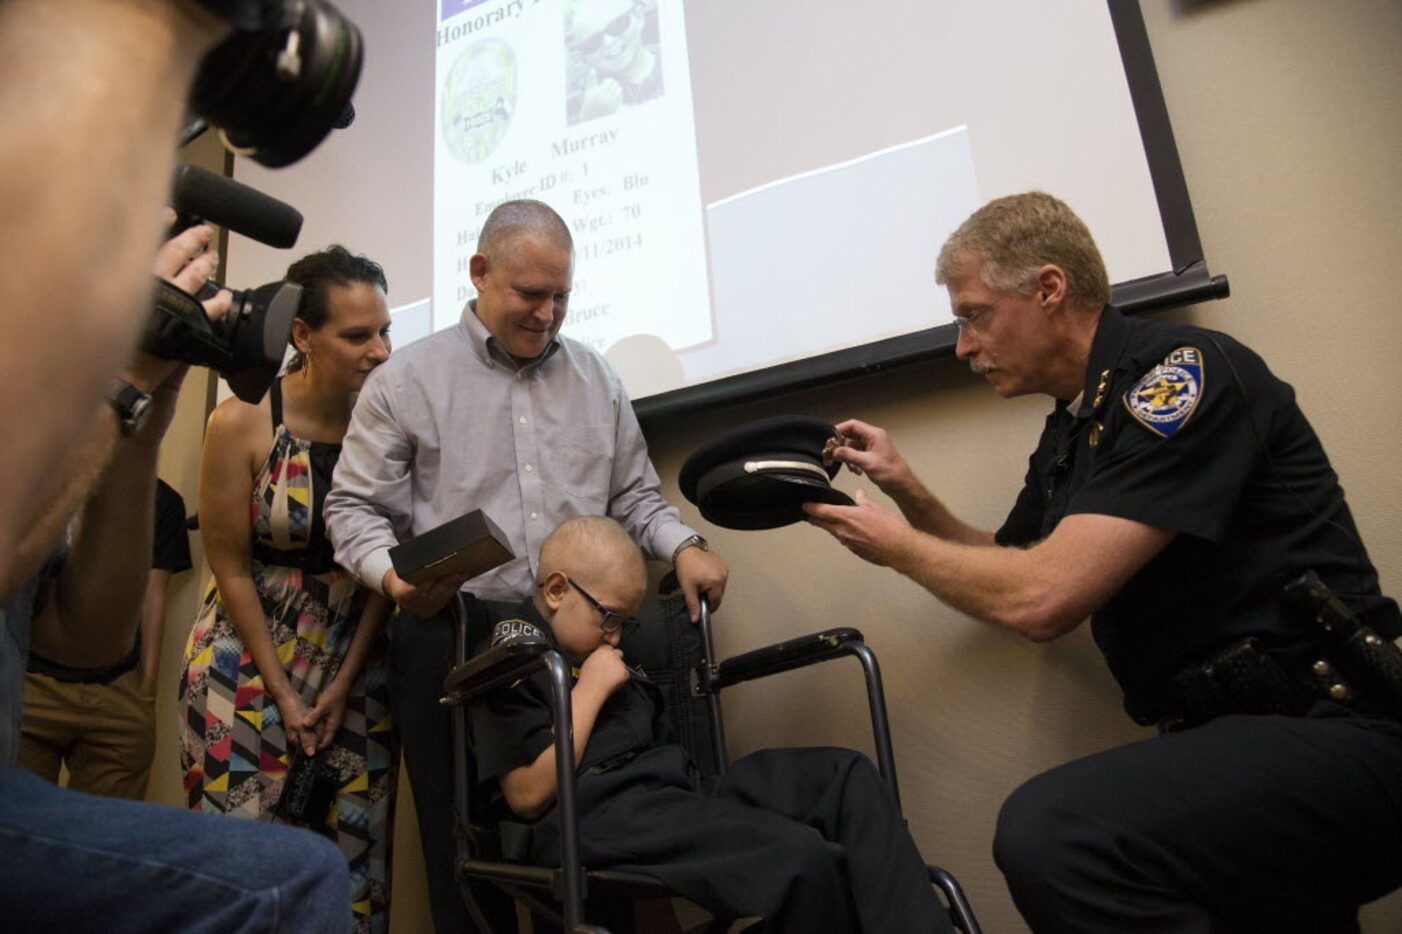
489	350
1106	349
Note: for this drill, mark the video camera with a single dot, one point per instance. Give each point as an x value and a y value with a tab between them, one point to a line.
282	81
275	88
247	345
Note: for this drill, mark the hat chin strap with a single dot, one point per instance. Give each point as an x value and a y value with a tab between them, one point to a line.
757	466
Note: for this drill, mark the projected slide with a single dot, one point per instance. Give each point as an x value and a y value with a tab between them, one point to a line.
826	219
584	104
750	183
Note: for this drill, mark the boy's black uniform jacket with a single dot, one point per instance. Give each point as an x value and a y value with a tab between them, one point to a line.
512	727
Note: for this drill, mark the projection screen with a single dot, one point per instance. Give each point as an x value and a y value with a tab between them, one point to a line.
757	188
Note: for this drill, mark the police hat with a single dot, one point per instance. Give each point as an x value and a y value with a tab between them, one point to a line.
758	476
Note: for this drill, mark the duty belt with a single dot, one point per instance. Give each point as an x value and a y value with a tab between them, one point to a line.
1352	661
1246	678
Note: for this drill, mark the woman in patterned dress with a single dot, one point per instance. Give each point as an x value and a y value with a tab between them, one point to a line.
288	650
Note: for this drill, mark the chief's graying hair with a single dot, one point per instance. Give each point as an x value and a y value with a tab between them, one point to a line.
1015	236
512	220
593	549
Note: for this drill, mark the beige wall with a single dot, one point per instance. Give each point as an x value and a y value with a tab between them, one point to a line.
180	467
1286	118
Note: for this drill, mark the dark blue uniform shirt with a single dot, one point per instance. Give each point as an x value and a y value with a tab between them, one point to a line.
1185	429
511	727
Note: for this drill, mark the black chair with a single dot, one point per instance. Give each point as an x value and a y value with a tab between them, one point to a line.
678	656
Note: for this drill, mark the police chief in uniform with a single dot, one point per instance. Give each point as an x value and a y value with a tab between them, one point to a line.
1176	490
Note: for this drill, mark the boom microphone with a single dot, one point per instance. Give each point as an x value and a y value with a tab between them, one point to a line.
228	204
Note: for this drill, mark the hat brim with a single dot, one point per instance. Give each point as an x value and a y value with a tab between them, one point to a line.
770	500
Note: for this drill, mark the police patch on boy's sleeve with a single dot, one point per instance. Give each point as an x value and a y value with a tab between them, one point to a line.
515	630
1164	398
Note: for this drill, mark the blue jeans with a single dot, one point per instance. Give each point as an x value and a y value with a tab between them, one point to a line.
75	862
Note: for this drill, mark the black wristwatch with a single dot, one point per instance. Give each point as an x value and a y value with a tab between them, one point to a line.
687	542
133	407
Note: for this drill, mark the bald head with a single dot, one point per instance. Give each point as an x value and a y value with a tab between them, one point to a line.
512	222
596	551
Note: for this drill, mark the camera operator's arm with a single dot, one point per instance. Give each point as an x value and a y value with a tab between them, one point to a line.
91	616
77	477
186	261
79	230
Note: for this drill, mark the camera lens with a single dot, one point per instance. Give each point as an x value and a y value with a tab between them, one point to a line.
278	92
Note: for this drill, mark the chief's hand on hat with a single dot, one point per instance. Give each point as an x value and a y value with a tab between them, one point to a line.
867	530
866	449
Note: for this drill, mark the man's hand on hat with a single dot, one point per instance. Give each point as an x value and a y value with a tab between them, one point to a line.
866	449
425	599
701	572
869	531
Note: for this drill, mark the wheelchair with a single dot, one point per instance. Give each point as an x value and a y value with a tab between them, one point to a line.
679	657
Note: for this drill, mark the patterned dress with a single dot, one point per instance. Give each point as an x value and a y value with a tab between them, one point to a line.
233	747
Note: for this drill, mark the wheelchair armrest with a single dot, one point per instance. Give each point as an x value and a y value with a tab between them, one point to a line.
502	665
784	656
808	650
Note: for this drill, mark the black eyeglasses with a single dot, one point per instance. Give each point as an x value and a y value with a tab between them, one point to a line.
612	622
615	27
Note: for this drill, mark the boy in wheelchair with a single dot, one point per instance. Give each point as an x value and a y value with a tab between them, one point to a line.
807	839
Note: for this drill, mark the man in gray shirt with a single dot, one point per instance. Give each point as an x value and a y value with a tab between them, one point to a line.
500	414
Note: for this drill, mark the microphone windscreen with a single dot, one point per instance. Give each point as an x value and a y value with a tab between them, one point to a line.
346	118
229	204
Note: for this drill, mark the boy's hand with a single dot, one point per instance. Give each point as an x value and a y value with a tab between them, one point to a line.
604	670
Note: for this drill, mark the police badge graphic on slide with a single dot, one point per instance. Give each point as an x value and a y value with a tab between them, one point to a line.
478	98
1166	396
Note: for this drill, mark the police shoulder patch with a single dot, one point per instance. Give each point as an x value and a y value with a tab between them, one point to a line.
512	630
1165	397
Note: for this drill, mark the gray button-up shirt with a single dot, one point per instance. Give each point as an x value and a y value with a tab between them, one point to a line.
451	423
